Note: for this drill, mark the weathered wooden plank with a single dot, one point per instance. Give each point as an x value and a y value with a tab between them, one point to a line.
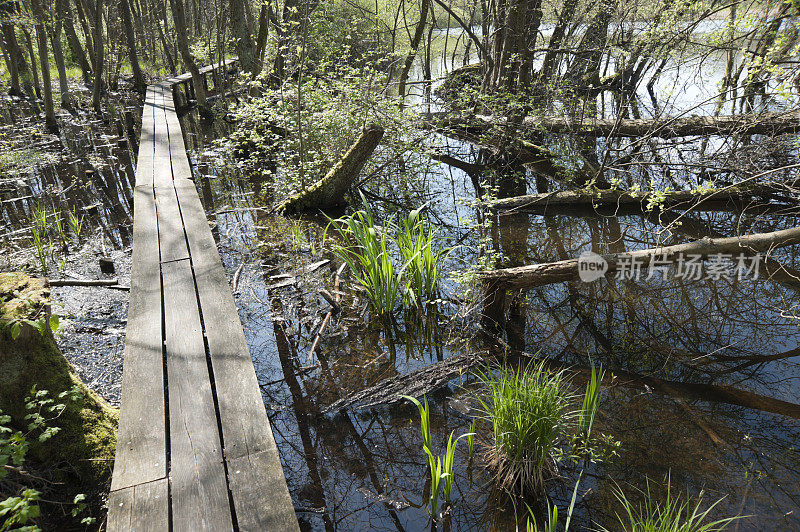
257	487
142	508
120	509
177	148
245	426
141	454
181	170
241	405
170	226
144	159
161	140
197	476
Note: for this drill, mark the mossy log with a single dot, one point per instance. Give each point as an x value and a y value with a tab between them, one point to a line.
329	191
541	203
689	126
84	446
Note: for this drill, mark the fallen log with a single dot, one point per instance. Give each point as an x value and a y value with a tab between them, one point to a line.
84	282
537	159
534	275
744	124
434	376
540	203
329	191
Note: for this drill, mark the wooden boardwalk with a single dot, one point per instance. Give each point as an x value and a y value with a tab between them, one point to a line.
195	450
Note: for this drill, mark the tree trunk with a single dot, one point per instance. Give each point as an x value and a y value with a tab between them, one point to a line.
415	40
44	60
290	9
87	32
263	32
34	70
18	66
64	16
743	124
242	37
99	52
167	54
540	203
330	190
58	57
130	38
186	55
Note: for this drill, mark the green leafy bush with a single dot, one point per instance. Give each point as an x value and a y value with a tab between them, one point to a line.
19	508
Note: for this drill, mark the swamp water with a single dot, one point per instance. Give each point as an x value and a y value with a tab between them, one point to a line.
365	469
87	172
358	469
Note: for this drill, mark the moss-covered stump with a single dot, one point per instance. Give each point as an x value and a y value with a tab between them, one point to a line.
328	192
83	448
461	85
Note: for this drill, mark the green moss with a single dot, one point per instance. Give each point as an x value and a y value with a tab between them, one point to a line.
85	445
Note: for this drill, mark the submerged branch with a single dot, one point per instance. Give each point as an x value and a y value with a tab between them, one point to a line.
436	375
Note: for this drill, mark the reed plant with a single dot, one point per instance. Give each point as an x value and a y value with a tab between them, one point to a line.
416	246
366	252
58	224
471	436
674	514
435	469
75	224
448	466
550	524
40	220
441	469
40	248
591	402
424	419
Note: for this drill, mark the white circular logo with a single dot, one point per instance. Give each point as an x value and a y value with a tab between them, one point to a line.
591	266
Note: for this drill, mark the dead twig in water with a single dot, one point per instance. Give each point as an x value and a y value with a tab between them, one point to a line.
334	307
236	276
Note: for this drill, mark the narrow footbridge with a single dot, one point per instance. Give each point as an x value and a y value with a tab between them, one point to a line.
195	449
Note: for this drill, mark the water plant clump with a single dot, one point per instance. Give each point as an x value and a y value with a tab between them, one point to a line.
416	244
672	514
366	252
371	252
532	417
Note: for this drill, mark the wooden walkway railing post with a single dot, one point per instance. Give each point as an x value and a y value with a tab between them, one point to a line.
195	449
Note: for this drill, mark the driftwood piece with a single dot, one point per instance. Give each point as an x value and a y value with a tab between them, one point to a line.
744	124
531	276
415	384
329	191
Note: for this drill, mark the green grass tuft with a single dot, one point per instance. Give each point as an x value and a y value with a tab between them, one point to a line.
674	514
529	412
